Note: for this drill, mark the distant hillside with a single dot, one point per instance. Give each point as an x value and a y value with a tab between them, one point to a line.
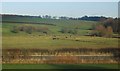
26	18
38	20
55	26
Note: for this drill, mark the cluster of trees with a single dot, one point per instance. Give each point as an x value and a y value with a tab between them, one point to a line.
106	28
92	18
69	30
29	29
113	23
101	31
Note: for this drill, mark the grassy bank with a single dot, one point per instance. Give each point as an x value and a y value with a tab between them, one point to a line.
47	42
60	66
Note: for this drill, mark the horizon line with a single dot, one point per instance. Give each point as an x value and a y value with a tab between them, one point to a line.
57	16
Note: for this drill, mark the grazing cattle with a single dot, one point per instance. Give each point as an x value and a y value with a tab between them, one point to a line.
45	32
55	38
76	40
40	35
92	35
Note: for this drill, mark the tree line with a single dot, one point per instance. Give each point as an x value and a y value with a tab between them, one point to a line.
106	28
88	18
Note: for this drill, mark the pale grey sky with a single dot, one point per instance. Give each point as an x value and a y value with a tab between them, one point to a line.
71	9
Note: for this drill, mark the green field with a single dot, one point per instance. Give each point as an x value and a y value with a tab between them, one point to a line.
48	42
45	41
83	28
25	40
60	66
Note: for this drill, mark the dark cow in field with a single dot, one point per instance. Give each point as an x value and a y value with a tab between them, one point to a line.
45	32
92	35
55	38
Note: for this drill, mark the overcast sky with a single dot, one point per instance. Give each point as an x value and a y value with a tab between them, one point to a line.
71	9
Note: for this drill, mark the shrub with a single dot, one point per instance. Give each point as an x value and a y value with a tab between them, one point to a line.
101	31
29	29
15	29
109	31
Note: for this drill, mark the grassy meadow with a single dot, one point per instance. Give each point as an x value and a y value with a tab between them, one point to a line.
41	40
45	41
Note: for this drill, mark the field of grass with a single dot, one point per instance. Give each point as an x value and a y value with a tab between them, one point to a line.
47	42
43	41
63	23
83	28
25	40
60	66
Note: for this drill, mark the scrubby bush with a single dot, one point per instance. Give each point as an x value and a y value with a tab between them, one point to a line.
102	31
113	23
15	29
42	29
29	29
109	31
